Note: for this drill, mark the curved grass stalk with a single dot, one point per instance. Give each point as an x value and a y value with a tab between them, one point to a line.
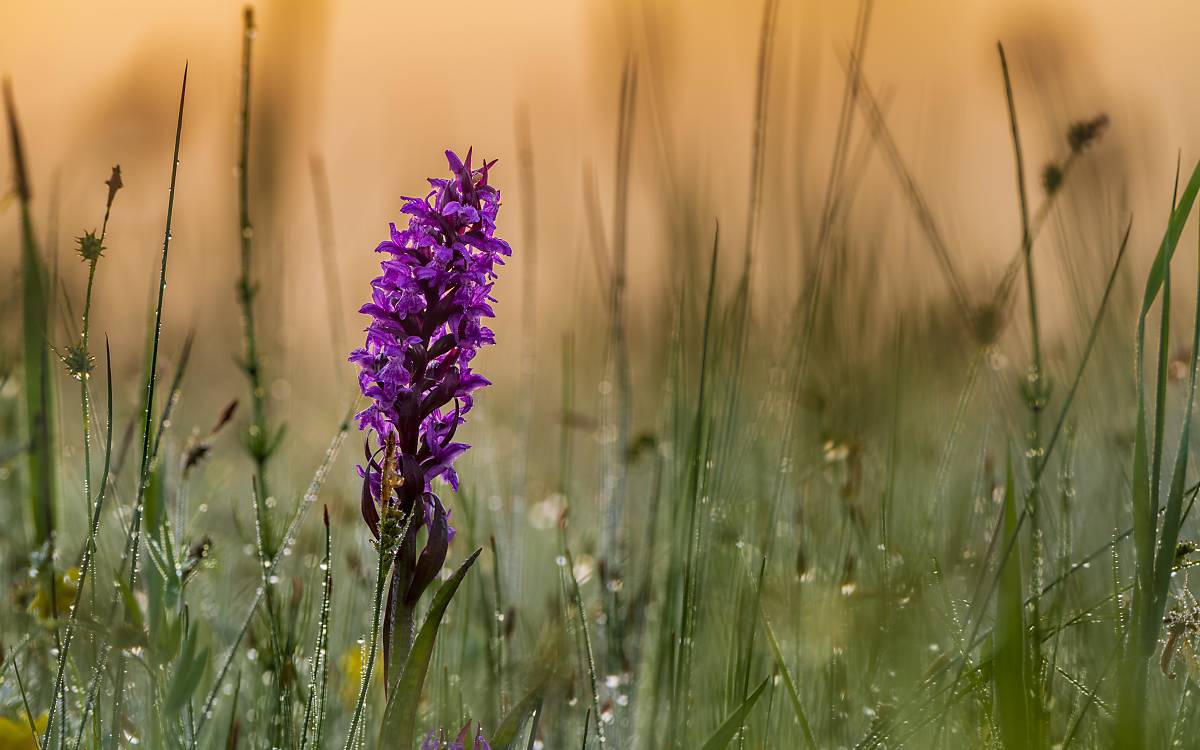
143	476
372	647
260	442
980	605
89	554
289	537
315	708
133	545
587	644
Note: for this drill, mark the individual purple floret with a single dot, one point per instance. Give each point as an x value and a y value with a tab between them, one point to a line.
426	310
438	740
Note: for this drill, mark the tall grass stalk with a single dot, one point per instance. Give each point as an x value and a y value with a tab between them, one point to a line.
978	604
114	184
260	442
529	328
152	380
317	706
386	552
1154	552
948	266
133	543
617	404
698	450
1030	732
85	565
497	626
741	309
328	252
588	652
35	314
291	531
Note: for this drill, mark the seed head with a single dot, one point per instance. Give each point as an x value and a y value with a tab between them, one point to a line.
1052	177
114	183
1083	133
90	248
78	361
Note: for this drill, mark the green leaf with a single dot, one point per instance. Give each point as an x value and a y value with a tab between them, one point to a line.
133	612
185	677
1173	518
36	314
399	728
507	733
732	725
1166	249
1130	714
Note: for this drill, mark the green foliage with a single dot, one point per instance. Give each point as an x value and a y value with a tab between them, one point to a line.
186	671
1015	667
508	732
36	313
1154	551
733	724
792	693
399	725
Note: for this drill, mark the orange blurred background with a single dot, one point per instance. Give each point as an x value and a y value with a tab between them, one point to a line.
376	90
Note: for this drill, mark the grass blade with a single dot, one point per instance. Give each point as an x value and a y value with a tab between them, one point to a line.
793	693
318	682
289	536
144	474
1130	714
1012	675
732	725
508	732
89	552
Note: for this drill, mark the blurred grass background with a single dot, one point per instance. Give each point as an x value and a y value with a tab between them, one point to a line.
869	484
375	91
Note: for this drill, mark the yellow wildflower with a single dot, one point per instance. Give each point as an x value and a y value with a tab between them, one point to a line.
65	587
351	665
16	735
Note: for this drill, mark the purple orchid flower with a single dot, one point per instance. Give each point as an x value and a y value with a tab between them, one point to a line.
426	310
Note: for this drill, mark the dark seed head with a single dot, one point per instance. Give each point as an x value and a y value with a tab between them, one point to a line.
1052	178
1083	133
89	248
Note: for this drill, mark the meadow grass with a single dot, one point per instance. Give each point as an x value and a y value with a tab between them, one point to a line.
764	529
